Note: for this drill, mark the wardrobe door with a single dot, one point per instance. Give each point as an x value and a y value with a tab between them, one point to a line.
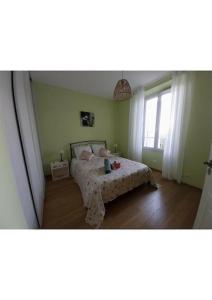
14	148
28	131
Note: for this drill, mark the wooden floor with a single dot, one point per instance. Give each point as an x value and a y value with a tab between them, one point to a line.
172	206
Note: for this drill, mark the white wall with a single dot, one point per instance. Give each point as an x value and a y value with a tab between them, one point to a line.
11	212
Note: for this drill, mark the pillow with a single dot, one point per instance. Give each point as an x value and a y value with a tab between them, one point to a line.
104	152
96	148
85	155
79	149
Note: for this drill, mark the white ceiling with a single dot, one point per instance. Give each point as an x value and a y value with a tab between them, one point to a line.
97	83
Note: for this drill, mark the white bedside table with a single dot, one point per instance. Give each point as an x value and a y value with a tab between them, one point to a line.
59	170
117	154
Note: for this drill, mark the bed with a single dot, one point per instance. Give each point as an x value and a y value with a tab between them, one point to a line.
98	188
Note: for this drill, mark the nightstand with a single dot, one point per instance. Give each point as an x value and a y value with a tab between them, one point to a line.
59	170
117	154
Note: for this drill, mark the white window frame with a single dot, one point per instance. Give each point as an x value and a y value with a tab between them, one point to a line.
157	125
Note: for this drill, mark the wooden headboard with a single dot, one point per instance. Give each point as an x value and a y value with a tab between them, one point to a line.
84	143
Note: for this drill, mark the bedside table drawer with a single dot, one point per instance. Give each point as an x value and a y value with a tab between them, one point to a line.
60	165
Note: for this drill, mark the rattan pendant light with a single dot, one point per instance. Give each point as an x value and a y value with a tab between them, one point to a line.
122	90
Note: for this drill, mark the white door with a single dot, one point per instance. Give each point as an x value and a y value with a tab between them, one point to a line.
8	118
204	214
28	132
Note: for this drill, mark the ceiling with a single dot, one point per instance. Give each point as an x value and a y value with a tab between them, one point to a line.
97	83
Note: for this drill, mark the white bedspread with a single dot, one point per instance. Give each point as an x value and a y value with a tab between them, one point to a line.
98	188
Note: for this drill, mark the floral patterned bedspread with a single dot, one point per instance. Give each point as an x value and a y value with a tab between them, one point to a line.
98	188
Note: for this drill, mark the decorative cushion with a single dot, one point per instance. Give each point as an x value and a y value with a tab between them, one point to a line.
96	148
85	155
104	152
79	149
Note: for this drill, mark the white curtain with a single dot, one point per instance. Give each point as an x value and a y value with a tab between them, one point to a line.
29	137
136	122
182	89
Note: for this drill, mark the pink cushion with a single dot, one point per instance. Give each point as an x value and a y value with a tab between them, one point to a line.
85	155
104	152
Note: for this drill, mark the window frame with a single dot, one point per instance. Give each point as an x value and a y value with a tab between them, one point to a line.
158	116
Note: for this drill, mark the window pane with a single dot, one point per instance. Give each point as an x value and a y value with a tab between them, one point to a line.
150	122
164	119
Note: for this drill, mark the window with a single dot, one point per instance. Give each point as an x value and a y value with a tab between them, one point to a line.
150	122
157	120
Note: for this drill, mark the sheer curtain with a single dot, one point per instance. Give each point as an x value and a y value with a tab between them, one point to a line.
136	117
182	89
29	137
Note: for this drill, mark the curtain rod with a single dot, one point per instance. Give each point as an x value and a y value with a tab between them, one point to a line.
158	82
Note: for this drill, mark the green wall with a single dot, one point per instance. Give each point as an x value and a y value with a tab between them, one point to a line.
58	119
153	158
58	122
11	213
122	125
199	136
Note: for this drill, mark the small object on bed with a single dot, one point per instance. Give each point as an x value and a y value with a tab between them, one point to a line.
86	155
107	166
79	149
96	148
115	165
104	152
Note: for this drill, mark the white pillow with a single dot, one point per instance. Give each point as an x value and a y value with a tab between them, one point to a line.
96	148
79	149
